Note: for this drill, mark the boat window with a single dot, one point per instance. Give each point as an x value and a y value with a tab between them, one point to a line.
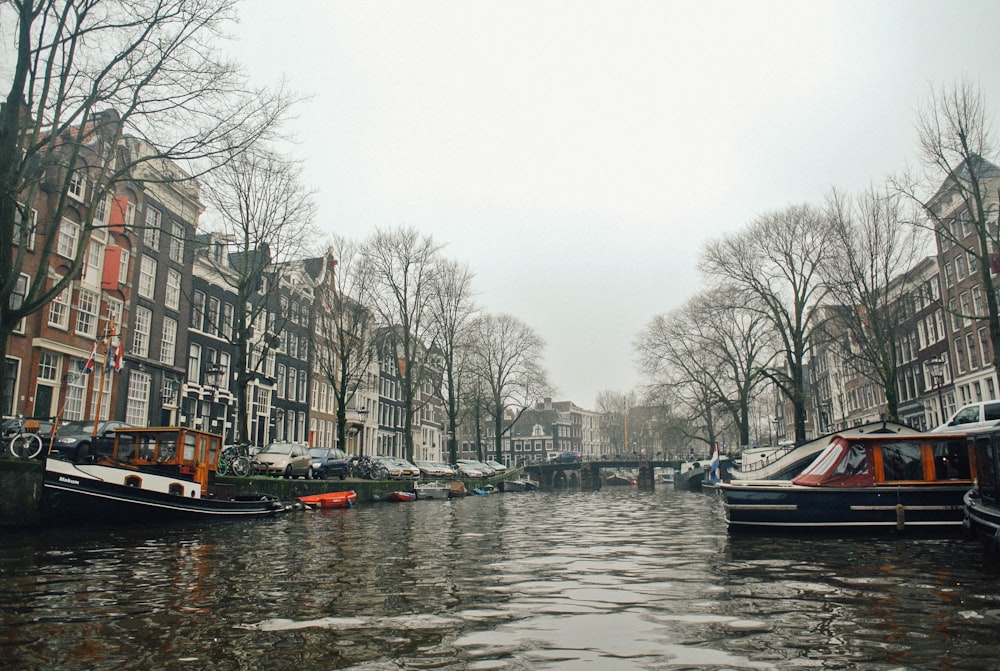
176	489
133	481
147	445
826	459
168	446
126	447
189	440
901	461
855	463
951	461
986	470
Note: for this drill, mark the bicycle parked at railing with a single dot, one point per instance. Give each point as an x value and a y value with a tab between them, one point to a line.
235	460
25	443
368	469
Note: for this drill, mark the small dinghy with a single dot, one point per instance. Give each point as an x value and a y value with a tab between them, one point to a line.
330	500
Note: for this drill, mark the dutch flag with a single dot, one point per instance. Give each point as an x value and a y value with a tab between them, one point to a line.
89	368
714	471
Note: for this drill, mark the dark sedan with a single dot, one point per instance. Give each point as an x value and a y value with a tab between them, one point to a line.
328	461
78	442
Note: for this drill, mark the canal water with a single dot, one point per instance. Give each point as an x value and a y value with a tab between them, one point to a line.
612	580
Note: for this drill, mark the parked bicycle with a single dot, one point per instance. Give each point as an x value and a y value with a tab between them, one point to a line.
235	460
366	468
25	443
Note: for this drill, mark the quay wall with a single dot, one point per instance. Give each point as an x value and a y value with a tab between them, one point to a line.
21	490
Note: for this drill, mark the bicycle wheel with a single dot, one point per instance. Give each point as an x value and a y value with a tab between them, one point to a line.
25	445
380	472
224	465
240	466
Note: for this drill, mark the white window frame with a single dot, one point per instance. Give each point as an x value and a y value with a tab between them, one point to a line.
77	186
69	238
59	309
177	244
151	229
141	330
137	406
168	343
147	276
88	305
172	298
123	266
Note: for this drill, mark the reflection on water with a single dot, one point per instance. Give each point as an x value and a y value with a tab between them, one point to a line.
617	579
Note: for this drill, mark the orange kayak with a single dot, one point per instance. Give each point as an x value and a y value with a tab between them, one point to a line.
330	500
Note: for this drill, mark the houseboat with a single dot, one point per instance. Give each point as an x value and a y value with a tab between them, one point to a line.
152	475
869	482
982	501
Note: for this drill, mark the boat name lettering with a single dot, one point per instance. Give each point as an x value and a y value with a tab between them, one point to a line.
70	481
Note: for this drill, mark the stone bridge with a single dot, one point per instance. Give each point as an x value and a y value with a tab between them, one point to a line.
590	474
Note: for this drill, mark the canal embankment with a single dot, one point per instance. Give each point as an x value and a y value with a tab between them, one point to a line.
21	489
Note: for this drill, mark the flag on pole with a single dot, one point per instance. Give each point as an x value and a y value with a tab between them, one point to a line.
91	362
119	356
715	464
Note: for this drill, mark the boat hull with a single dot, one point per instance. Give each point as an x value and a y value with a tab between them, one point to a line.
95	494
690	480
982	520
401	497
432	491
330	499
782	505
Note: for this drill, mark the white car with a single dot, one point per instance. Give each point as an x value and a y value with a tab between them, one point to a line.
467	469
972	416
495	465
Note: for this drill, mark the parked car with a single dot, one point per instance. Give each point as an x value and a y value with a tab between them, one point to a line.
468	468
398	469
435	469
495	465
76	441
569	457
328	462
285	459
971	416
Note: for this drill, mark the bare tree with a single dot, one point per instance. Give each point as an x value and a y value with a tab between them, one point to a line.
873	254
401	267
86	75
346	349
266	216
453	311
957	146
507	355
772	268
612	406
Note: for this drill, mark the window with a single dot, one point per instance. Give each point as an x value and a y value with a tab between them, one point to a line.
960	270
198	311
970	344
140	332
147	276
24	229
87	303
151	231
172	299
48	366
951	461
16	299
137	407
227	321
123	267
212	316
95	255
76	389
292	382
194	363
949	277
224	360
984	345
101	211
69	237
901	461
168	342
115	309
59	309
302	386
77	186
279	380
177	244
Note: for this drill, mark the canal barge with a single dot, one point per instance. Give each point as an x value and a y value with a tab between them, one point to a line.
982	501
864	483
152	475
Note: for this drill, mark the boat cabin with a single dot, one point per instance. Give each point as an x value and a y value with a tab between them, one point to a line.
873	460
179	451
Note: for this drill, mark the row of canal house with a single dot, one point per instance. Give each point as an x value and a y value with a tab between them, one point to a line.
944	352
154	309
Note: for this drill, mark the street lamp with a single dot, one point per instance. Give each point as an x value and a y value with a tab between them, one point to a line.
213	375
936	368
363	415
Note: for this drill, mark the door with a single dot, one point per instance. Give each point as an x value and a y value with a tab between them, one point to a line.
43	401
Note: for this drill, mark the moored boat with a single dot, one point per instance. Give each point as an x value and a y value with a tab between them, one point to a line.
861	482
618	480
432	490
330	499
153	475
982	501
401	497
690	477
519	485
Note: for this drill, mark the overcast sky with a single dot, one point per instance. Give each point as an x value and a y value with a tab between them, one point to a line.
577	155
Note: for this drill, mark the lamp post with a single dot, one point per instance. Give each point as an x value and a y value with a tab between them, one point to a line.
936	368
213	373
363	416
